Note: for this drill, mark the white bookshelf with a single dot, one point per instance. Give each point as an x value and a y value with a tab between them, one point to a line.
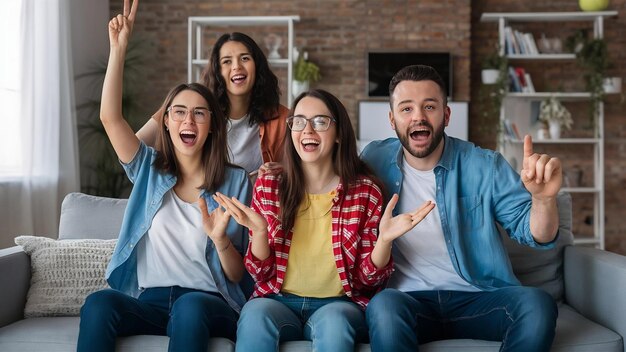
516	108
196	42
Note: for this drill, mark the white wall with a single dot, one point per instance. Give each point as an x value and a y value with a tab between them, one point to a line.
374	121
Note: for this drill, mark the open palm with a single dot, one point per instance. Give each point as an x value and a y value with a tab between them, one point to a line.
392	227
215	223
243	214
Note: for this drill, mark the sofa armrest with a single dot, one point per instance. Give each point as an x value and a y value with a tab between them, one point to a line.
14	280
595	282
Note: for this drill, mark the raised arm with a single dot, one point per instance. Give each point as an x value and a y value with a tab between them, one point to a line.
148	132
542	177
121	135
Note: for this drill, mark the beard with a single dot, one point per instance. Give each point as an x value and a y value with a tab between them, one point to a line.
436	134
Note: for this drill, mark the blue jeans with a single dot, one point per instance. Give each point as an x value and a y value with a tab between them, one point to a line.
189	317
523	318
332	324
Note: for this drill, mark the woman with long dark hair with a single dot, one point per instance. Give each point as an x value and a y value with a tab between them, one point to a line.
239	75
316	253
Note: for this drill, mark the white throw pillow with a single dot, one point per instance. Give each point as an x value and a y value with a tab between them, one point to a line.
64	273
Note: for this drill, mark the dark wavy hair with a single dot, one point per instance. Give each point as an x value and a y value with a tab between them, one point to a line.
417	73
265	95
214	150
346	161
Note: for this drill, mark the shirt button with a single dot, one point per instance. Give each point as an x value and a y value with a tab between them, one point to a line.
397	183
130	245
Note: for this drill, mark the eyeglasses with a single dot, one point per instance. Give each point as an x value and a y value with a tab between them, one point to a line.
319	123
179	113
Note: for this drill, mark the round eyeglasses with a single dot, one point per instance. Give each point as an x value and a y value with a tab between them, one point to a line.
319	123
179	113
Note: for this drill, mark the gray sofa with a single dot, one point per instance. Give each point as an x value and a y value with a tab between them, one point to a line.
587	283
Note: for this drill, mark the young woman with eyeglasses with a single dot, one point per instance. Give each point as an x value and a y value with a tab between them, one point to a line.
178	260
239	75
314	251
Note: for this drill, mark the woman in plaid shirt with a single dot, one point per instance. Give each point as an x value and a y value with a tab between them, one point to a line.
315	253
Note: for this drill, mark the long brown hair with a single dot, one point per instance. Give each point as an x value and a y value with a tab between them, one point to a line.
265	95
214	150
346	161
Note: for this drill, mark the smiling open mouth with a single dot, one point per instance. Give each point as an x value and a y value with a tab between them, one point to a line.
188	137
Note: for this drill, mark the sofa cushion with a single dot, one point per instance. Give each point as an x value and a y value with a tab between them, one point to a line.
60	334
544	268
86	216
63	273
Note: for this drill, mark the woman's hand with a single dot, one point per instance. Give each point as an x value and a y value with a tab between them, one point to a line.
271	168
243	214
121	26
215	223
396	226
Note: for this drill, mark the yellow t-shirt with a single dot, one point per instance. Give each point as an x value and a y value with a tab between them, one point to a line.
311	268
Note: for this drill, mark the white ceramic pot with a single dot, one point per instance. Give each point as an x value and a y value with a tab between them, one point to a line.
555	129
489	76
612	85
299	87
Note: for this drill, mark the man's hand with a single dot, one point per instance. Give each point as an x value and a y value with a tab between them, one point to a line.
541	174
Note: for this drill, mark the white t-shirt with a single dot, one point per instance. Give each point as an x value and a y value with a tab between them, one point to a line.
172	253
421	257
244	145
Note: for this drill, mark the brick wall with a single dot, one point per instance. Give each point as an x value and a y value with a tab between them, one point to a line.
338	34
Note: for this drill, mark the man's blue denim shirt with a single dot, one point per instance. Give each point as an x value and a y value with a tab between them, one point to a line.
150	185
475	189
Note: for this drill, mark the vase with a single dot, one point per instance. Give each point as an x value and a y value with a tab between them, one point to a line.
489	76
593	5
299	87
554	127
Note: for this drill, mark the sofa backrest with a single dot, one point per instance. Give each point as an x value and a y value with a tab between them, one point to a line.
93	217
86	216
544	268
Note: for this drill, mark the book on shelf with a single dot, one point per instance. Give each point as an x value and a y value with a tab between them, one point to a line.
517	42
520	80
511	131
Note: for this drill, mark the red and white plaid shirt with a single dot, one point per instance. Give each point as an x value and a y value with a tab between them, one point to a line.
355	217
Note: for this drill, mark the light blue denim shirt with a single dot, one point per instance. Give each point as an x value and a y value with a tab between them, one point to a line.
150	185
475	189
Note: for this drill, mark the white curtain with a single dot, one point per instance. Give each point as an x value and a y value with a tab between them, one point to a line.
31	202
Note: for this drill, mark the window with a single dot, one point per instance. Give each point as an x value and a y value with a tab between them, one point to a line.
10	97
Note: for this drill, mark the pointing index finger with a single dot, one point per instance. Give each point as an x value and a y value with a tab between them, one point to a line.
528	150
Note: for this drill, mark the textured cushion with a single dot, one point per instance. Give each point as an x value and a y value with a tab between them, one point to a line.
544	268
86	216
63	273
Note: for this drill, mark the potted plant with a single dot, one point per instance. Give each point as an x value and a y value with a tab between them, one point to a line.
592	56
492	94
556	116
304	72
494	66
101	173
